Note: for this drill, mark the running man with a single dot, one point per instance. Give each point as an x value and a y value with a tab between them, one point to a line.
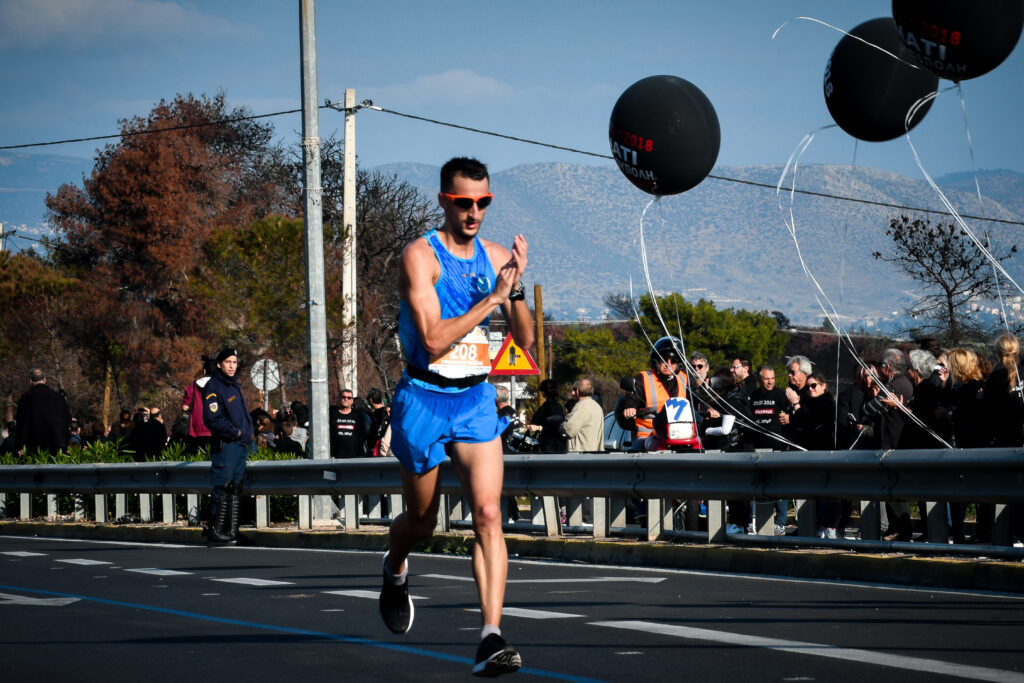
450	282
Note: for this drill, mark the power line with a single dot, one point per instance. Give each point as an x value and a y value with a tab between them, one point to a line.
368	104
152	131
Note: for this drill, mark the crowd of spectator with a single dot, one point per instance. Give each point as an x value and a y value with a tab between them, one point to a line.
925	399
921	399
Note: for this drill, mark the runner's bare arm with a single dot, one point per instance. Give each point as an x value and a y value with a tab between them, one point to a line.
418	272
510	267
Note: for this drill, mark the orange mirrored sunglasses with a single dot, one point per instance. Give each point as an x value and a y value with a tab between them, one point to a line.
466	202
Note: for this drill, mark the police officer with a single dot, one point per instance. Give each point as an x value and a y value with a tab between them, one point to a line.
227	417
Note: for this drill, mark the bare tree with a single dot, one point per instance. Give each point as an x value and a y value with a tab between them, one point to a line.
953	270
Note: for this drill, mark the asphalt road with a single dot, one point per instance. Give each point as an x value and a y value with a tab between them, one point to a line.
102	611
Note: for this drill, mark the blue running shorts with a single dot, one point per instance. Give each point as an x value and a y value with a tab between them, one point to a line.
423	421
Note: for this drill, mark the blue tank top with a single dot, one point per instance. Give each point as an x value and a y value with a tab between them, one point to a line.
463	283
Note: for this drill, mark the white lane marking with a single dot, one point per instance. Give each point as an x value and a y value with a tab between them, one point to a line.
845	653
254	582
592	579
371	595
533	613
9	599
84	562
158	572
22	553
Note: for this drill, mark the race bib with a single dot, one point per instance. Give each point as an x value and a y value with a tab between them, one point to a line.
467	357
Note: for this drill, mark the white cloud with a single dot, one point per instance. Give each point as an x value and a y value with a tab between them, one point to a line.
458	86
85	23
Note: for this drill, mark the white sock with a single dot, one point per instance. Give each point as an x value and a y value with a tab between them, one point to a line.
488	629
397	579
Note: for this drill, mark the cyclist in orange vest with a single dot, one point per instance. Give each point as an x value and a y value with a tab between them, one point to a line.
651	388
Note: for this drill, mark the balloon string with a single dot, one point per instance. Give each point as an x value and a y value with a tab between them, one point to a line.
820	296
945	200
715	397
847	34
981	203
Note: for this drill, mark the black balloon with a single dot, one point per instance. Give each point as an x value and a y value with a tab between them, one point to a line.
868	92
664	135
959	39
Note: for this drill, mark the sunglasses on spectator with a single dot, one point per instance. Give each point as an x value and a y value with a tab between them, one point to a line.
346	398
813	385
699	366
466	202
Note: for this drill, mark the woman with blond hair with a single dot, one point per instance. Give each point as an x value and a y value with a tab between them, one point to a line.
1004	396
969	418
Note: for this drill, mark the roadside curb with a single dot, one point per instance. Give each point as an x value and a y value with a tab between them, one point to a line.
894	568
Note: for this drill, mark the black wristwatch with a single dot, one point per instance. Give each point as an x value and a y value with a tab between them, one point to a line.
518	294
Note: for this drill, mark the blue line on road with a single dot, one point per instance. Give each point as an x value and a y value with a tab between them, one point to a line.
352	640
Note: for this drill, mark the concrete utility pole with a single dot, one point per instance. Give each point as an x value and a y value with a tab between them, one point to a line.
538	304
348	264
316	296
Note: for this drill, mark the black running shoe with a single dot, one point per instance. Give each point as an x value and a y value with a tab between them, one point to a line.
495	657
396	606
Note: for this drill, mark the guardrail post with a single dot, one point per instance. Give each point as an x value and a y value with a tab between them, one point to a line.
100	503
305	512
537	511
552	518
25	506
3	504
374	501
397	505
51	506
120	506
601	526
655	519
167	501
351	512
806	517
935	518
764	517
443	520
616	512
456	509
79	508
146	507
1001	525
192	509
716	521
262	511
870	520
574	511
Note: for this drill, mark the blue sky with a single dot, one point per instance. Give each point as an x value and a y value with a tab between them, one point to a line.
548	71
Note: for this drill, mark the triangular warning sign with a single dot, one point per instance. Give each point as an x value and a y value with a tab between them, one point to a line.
512	360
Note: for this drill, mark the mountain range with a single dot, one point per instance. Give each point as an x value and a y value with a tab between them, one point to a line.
727	240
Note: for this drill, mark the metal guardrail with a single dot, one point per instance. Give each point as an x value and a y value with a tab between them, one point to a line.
994	475
985	475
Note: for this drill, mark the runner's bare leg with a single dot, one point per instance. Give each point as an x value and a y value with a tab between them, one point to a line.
422	494
480	468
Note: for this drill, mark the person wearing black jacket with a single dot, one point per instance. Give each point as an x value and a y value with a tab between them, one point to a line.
888	412
1004	395
227	417
43	421
548	419
813	422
